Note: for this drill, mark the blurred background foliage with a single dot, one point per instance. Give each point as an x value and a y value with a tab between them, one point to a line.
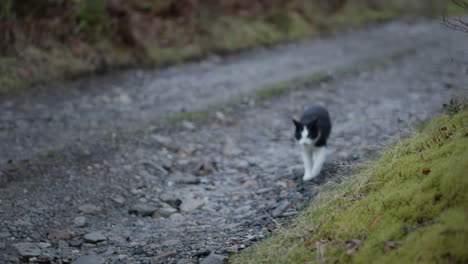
51	39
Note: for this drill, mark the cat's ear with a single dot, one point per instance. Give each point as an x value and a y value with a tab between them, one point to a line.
297	123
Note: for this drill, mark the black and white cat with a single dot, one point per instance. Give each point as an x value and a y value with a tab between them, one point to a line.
312	132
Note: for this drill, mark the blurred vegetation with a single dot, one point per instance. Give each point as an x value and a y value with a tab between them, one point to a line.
42	40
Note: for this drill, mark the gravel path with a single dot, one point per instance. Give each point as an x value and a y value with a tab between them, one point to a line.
52	117
188	192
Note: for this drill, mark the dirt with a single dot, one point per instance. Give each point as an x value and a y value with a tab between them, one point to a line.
180	191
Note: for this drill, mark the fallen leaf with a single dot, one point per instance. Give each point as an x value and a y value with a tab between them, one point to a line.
374	221
426	171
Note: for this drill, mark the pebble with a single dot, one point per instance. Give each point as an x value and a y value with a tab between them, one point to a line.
191	204
188	179
187	261
214	259
188	125
142	210
62	244
164	212
170	199
94	237
166	141
89	209
119	200
57	234
80	221
26	250
280	208
90	259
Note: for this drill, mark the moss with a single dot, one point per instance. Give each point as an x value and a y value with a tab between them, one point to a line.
408	207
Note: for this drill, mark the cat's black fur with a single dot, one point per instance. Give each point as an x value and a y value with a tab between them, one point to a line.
317	120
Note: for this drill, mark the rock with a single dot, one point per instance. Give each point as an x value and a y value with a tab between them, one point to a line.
242	164
94	237
89	209
119	200
43	245
80	221
26	250
188	125
75	243
165	141
165	212
280	208
62	244
201	254
230	148
214	259
170	199
142	210
190	204
90	259
187	179
171	242
57	234
176	216
187	261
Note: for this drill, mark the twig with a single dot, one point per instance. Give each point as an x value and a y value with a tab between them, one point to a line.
412	228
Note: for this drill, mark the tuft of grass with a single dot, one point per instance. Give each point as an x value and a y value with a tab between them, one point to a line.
410	206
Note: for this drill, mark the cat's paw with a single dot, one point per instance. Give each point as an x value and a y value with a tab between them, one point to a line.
307	177
310	176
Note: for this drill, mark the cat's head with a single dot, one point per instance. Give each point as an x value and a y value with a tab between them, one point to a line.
306	134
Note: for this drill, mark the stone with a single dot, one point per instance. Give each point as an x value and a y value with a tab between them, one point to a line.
90	259
214	259
142	210
188	179
89	209
75	243
170	199
188	125
164	212
280	208
230	148
62	244
191	204
43	245
171	242
58	234
119	200
187	261
80	221
94	237
26	250
176	216
163	140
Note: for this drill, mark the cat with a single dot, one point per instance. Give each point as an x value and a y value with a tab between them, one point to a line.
312	132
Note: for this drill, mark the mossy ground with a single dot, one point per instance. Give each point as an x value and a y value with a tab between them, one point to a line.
42	58
410	206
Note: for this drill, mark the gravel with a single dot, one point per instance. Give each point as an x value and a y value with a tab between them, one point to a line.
246	163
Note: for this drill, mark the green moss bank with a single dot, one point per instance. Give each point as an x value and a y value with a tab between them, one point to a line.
53	40
410	206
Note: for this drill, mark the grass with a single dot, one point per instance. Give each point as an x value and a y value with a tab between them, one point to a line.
410	206
102	42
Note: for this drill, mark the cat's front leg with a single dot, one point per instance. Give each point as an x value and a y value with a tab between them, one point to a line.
307	159
319	157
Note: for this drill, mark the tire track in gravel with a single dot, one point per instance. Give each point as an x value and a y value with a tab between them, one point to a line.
237	173
52	117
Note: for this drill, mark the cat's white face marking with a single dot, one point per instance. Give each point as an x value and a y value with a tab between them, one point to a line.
305	140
